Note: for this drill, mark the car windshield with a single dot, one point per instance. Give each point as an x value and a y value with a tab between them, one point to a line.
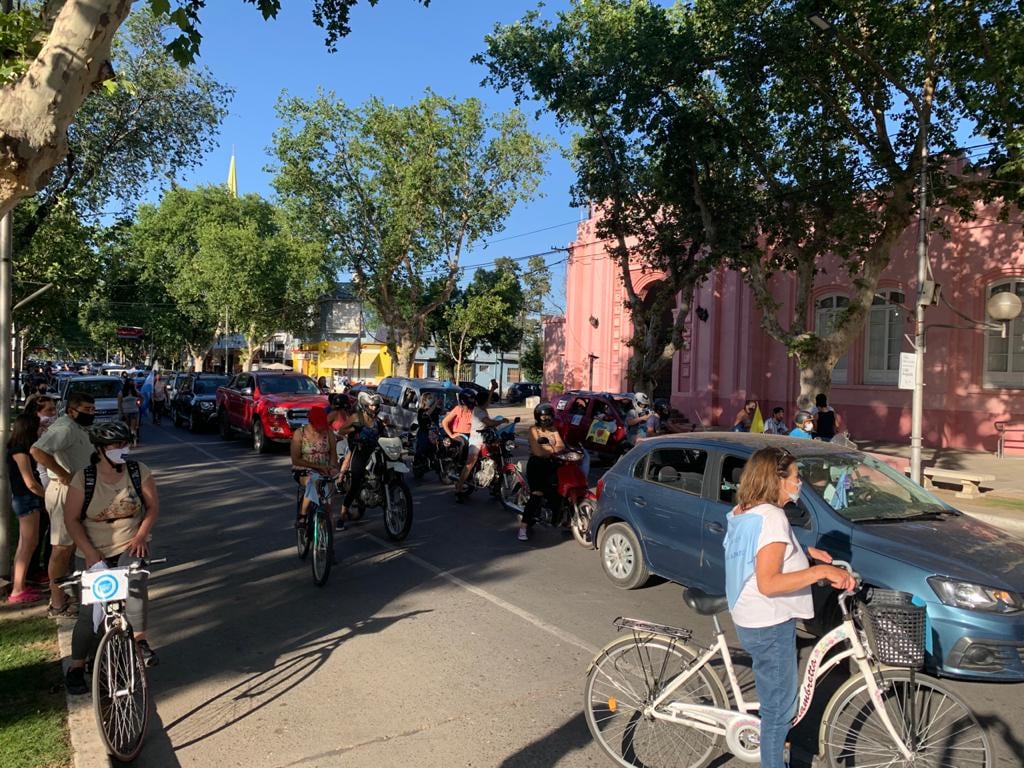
862	489
109	388
288	385
624	404
208	385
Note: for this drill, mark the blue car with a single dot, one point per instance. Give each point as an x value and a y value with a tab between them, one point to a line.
662	510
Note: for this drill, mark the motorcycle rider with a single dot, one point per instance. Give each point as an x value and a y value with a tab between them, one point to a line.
541	471
367	428
480	420
636	419
428	415
458	424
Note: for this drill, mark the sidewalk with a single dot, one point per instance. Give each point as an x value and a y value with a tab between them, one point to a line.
88	748
1002	500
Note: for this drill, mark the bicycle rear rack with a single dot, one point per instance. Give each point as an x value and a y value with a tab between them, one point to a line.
649	627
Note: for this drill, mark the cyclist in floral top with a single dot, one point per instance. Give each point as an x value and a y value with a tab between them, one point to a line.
314	448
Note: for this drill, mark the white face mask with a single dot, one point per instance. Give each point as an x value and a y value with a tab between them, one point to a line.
47	420
116	455
795	495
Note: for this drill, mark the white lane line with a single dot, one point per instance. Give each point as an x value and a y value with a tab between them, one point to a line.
515	610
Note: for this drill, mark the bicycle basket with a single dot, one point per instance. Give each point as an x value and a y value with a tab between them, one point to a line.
895	628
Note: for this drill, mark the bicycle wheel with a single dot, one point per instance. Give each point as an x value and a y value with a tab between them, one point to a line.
398	514
625	677
940	728
302	534
323	545
120	694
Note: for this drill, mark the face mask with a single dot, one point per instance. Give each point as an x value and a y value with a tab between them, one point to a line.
47	420
795	495
84	419
116	455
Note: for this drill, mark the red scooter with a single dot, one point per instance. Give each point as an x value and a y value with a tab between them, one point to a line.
577	508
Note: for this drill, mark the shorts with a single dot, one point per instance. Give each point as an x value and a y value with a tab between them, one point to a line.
23	506
56	496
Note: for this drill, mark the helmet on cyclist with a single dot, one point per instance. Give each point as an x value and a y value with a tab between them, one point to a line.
641	399
467	397
544	414
110	433
370	402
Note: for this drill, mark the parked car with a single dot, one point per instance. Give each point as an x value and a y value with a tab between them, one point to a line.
518	392
662	510
194	404
480	389
401	398
575	412
173	380
104	389
266	405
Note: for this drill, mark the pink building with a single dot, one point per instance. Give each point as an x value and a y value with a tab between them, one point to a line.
973	377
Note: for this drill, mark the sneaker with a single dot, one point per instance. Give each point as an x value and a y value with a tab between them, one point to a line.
523	535
67	611
25	596
74	681
149	657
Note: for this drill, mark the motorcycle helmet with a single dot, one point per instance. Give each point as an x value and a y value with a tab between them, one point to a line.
544	414
641	400
341	402
370	402
467	397
661	408
110	433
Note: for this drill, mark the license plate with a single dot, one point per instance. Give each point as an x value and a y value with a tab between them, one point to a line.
104	419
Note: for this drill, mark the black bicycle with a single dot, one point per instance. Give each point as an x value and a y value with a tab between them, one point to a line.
120	688
318	532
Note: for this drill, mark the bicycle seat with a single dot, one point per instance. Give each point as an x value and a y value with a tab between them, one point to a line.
703	603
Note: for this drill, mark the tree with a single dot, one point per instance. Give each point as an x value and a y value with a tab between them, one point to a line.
399	193
218	253
504	284
532	360
536	288
481	313
658	175
831	128
54	59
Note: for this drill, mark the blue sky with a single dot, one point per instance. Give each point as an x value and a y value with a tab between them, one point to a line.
396	51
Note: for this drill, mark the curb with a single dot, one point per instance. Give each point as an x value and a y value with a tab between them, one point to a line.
86	744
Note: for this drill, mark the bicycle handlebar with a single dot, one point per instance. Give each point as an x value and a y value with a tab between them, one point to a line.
136	567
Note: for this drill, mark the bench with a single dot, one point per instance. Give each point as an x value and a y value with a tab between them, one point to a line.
1015	430
970	483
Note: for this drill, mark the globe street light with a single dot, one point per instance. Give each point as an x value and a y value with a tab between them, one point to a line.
1004	307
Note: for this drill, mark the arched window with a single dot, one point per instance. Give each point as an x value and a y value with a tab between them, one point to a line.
826	317
886	326
1004	358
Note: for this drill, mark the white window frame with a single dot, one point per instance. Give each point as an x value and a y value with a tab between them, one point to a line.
1008	379
891	311
826	309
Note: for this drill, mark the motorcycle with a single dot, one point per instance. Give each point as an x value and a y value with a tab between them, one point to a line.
431	459
385	486
494	469
578	502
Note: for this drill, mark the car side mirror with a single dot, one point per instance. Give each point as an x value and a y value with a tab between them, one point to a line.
245	391
797	514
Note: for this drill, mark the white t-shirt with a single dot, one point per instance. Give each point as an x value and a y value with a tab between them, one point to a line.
753	610
475	438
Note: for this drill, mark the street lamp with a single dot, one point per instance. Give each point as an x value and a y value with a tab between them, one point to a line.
1004	307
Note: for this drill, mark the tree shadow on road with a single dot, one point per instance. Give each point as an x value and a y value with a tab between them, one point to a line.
570	736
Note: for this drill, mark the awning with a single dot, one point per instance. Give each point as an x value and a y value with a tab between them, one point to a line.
368	359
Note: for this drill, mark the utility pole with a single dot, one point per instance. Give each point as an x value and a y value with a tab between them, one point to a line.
226	371
592	357
6	236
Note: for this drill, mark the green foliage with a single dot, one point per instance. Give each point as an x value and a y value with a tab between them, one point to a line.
532	360
503	285
22	33
398	193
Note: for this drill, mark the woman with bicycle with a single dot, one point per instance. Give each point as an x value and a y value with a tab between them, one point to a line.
111	508
314	449
768	584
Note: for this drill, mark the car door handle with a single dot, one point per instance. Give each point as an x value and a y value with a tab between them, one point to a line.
714	527
640	501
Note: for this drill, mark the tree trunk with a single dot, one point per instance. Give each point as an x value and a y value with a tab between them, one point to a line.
35	111
815	378
406	354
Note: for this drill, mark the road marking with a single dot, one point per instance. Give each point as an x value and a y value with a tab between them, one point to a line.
531	618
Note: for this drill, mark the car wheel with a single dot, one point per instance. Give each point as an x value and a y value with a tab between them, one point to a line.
224	425
175	417
621	557
260	444
191	423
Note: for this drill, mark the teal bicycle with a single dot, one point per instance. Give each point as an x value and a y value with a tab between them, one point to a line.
317	535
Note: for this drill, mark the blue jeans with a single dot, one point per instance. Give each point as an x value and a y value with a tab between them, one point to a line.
773	651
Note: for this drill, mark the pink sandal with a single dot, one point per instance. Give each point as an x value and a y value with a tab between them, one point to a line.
25	596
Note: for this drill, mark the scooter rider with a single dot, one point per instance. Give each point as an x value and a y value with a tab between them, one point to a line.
541	471
367	428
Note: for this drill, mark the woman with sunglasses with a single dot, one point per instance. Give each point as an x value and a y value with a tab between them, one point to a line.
768	584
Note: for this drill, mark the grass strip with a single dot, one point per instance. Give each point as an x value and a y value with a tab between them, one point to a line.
33	713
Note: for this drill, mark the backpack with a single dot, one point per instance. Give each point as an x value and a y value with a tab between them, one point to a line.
134	474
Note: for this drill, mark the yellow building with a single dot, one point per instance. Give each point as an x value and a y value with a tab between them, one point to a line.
367	361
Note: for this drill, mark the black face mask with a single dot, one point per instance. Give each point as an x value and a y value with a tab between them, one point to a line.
84	419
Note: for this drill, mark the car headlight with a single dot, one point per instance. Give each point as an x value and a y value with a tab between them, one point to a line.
278	411
206	405
975	597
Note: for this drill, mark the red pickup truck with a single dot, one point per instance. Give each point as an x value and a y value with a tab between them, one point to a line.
266	406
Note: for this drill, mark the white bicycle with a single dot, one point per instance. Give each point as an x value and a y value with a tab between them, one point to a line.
653	699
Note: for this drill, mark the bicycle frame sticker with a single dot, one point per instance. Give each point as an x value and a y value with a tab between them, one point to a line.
104	586
815	668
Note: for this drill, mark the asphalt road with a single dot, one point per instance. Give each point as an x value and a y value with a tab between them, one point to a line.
460	647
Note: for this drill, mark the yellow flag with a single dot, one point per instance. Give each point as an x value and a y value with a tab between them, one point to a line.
757	423
232	179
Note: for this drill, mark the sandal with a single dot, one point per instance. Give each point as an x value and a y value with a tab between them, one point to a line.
24	597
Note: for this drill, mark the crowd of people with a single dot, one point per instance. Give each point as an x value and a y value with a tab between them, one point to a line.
821	422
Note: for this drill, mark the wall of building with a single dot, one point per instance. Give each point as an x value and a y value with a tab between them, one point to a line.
731	358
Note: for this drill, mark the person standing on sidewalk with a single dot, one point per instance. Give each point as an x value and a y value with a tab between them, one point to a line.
63	449
26	502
